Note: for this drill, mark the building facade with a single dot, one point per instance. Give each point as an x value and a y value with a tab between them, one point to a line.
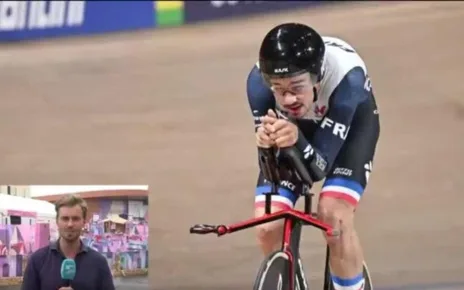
18	190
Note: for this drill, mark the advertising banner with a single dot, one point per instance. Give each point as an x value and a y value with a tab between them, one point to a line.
169	13
22	20
208	10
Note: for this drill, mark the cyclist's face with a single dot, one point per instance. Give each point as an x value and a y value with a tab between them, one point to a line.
294	95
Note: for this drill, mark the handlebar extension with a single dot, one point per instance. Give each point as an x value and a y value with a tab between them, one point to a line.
203	229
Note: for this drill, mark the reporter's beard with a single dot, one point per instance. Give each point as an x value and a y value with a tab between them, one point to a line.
70	239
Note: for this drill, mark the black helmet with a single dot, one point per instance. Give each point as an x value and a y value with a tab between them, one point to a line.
290	49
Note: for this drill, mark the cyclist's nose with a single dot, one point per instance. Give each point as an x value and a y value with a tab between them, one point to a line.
289	98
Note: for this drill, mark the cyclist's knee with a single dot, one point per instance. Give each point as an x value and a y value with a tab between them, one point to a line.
270	232
337	213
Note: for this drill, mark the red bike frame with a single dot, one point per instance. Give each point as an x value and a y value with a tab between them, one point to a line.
291	216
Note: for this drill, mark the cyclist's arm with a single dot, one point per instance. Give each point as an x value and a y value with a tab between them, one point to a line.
333	130
260	100
260	97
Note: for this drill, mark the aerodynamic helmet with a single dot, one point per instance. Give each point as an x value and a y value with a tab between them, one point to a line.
290	49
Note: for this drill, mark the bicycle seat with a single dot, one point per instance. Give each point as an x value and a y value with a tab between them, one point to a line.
293	156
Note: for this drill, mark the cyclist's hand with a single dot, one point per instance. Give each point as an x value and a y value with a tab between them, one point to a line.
268	120
262	138
284	133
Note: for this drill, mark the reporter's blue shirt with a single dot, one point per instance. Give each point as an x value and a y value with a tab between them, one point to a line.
43	270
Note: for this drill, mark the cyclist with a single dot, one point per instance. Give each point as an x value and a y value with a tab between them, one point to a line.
314	93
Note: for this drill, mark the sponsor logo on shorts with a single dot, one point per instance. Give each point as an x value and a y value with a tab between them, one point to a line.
285	183
288	184
343	171
368	167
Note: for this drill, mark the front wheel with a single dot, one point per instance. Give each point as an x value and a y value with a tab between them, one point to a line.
367	278
274	272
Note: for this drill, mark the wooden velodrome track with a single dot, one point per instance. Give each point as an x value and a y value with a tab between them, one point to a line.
168	108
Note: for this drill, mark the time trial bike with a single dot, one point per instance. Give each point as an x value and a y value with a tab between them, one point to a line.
283	269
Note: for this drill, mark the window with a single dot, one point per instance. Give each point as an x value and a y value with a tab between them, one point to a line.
15	220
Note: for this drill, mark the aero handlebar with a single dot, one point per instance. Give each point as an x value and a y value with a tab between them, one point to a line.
268	159
269	165
294	157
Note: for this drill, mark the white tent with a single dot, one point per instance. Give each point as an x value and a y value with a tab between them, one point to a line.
41	190
17	203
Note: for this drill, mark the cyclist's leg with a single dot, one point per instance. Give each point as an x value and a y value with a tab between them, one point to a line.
341	192
270	234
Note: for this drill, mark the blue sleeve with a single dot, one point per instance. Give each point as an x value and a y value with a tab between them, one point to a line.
334	128
31	280
106	278
260	97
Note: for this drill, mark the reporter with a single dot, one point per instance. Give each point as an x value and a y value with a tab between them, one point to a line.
43	268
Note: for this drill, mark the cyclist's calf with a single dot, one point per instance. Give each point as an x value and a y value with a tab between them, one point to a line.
346	257
269	234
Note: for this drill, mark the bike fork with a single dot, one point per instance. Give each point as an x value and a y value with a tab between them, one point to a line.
297	275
